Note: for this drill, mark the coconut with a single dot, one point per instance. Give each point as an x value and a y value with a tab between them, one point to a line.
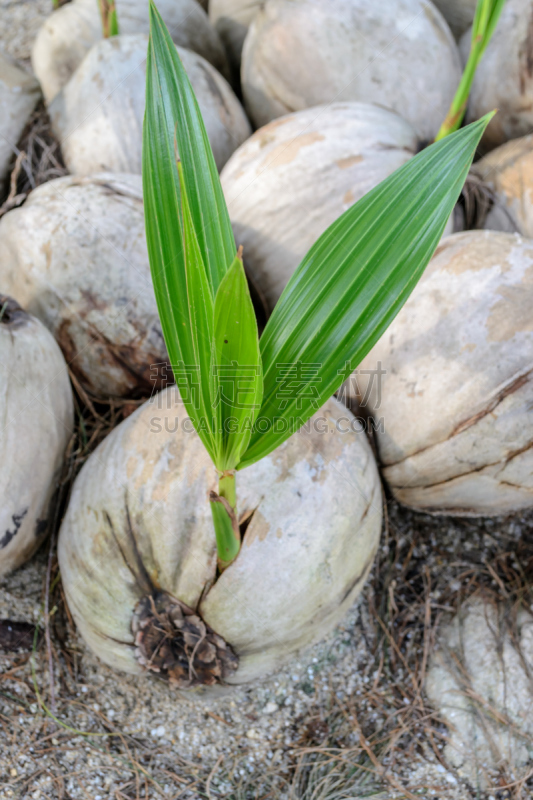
455	407
459	14
399	54
69	33
37	423
504	77
138	555
294	177
19	94
231	19
98	115
507	171
75	255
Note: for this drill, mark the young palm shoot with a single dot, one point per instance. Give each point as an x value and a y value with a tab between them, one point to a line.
108	13
342	297
484	25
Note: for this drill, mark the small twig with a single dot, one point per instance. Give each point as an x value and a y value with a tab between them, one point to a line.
47	626
211	776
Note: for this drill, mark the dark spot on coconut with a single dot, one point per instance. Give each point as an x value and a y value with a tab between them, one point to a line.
175	643
11	314
10	534
144	372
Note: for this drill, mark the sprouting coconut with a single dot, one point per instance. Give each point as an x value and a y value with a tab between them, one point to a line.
504	79
138	535
157	583
399	54
69	33
19	94
455	404
98	115
37	423
231	19
75	256
296	175
459	14
507	172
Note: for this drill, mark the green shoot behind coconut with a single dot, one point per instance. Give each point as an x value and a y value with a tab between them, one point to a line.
347	290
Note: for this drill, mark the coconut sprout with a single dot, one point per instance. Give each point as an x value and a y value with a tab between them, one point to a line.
172	558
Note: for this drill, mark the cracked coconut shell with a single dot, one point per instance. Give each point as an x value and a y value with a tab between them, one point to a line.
287	183
37	421
138	555
98	116
456	401
508	173
504	77
68	34
399	54
75	256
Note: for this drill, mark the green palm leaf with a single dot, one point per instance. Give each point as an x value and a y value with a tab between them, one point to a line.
352	283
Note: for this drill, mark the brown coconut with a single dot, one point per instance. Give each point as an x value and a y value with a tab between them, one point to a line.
504	77
75	255
37	421
69	33
294	177
399	54
454	408
138	555
98	115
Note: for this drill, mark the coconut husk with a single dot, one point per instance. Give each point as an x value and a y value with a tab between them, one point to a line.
69	33
98	116
310	516
37	413
454	405
75	256
399	54
19	94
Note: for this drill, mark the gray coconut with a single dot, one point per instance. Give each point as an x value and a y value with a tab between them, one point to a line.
507	172
459	14
455	407
504	77
399	54
19	94
231	19
98	115
75	255
138	555
296	175
68	34
37	422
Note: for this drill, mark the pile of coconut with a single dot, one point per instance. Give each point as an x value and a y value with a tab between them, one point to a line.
340	95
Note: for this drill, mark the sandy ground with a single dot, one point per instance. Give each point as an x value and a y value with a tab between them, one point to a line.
348	719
